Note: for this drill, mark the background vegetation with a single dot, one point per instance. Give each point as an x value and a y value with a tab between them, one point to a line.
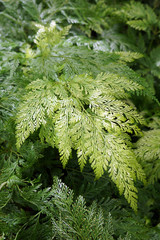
80	120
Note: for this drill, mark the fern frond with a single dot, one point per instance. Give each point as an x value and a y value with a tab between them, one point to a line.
62	128
129	56
70	125
138	15
111	42
148	153
66	94
138	24
119	169
76	220
83	112
49	35
34	10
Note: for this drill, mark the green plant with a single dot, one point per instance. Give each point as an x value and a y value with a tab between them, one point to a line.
79	100
147	150
81	112
54	214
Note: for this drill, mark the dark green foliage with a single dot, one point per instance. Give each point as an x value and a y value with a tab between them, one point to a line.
51	213
79	119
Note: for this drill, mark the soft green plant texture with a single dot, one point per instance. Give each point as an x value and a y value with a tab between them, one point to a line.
148	150
79	101
67	218
81	112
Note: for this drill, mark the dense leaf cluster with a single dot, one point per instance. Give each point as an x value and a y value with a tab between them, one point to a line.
80	124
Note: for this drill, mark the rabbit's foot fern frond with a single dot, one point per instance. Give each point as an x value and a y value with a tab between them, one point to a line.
85	112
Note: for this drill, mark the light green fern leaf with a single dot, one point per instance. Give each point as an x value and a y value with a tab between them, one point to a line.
85	112
148	153
49	35
129	56
138	24
138	15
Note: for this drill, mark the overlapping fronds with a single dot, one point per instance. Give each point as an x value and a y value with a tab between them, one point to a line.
67	98
55	214
138	15
148	152
82	112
